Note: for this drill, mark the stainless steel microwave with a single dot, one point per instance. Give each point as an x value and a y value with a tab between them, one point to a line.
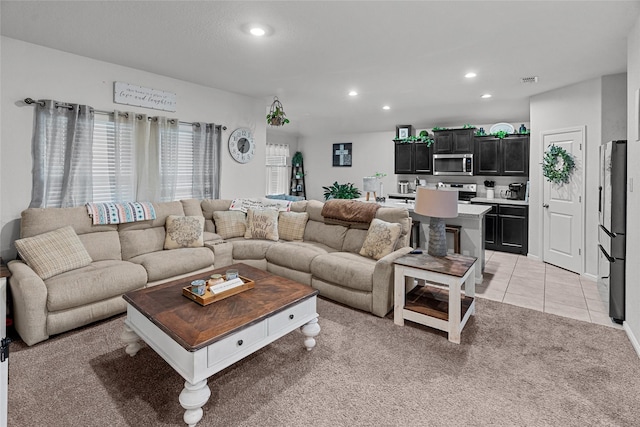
453	164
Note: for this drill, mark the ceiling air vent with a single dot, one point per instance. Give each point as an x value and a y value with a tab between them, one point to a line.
533	79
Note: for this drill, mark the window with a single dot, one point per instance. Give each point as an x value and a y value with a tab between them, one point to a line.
277	170
114	177
81	155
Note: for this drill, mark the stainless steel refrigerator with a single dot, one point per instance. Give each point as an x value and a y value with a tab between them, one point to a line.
612	207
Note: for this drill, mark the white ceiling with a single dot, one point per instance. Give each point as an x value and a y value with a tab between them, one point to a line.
410	55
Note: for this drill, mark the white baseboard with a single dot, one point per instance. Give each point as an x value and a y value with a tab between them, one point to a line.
590	276
533	257
632	337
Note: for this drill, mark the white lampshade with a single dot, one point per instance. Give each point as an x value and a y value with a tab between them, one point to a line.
436	203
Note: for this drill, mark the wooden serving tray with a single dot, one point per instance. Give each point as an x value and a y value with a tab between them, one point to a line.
209	298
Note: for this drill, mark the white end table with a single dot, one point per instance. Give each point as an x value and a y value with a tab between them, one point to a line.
437	301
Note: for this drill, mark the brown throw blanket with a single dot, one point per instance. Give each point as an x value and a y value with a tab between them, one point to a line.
348	212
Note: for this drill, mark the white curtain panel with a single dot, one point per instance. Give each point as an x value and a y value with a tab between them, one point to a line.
206	161
62	154
161	161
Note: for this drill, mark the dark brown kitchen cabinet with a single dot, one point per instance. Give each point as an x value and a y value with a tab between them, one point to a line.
506	157
403	158
506	228
453	141
413	158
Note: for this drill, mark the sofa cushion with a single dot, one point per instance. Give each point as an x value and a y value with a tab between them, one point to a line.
330	235
102	245
345	269
291	225
262	224
230	223
294	255
251	249
381	239
54	252
140	242
161	265
184	232
97	281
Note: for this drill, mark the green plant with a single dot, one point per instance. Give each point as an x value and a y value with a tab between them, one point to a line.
557	165
417	139
297	158
277	116
500	134
341	191
468	126
435	128
379	175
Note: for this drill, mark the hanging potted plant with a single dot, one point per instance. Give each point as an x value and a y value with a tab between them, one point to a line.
277	116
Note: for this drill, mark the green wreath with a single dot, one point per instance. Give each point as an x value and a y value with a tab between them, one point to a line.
555	171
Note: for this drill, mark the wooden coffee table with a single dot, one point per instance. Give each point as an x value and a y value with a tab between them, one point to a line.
199	341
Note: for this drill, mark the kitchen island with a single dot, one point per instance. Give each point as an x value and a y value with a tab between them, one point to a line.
470	218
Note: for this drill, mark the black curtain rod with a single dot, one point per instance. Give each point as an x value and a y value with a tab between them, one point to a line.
41	103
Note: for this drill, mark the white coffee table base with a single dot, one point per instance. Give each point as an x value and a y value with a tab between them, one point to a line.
196	366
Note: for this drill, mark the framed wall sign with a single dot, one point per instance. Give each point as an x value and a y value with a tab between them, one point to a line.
404	131
128	94
341	154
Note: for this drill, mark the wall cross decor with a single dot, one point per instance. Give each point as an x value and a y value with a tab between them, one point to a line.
342	154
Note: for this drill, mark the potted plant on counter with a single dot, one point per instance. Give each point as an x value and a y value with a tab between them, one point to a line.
341	191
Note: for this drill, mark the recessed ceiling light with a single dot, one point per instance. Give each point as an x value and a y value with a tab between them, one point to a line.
386	107
470	75
257	31
353	93
486	95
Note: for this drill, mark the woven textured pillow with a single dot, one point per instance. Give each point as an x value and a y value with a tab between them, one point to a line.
184	232
291	225
54	252
230	223
381	239
262	224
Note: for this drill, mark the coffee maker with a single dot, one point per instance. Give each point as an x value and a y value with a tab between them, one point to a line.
516	191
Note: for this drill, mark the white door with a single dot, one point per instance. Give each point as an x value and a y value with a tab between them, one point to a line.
562	215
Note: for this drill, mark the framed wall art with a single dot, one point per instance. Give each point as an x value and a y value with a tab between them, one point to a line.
341	154
404	131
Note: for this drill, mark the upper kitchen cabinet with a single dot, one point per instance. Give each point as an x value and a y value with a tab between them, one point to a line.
453	141
413	158
403	158
508	156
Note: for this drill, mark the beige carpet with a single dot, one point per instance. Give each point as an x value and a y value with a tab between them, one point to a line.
515	367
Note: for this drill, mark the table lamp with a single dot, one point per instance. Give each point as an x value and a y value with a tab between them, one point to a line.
436	204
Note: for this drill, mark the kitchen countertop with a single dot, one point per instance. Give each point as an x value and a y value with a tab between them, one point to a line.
465	210
499	201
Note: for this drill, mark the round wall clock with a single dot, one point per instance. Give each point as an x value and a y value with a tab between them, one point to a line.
241	145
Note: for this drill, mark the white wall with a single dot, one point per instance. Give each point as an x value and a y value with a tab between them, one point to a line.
29	70
372	152
632	322
572	106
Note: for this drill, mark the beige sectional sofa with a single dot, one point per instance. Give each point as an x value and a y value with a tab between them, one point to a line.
131	256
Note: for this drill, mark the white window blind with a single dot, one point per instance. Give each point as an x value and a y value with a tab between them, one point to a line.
276	168
113	169
184	184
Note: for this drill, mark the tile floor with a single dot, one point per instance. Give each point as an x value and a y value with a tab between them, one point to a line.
517	280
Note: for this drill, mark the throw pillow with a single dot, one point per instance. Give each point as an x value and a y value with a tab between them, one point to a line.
262	224
291	225
55	252
230	223
381	239
184	232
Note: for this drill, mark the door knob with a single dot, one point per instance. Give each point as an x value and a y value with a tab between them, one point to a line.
546	206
